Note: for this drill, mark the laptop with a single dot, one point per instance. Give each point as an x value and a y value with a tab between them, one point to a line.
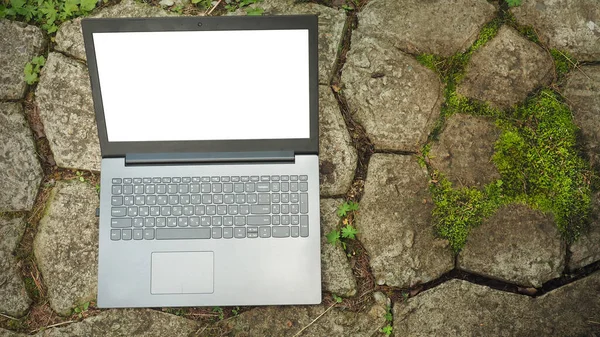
208	129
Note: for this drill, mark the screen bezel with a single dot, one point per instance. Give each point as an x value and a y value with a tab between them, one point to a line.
120	149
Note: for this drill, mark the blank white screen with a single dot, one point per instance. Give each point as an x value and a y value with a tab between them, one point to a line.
204	85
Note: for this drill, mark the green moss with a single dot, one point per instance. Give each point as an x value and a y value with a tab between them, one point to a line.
563	63
488	32
536	156
457	211
31	288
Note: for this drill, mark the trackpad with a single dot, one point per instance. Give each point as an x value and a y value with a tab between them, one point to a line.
182	273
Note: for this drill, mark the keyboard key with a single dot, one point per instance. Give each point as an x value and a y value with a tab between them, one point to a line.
172	188
227	221
254	178
196	199
166	180
294	178
263	187
215	179
205	188
195	188
285	209
149	234
285	187
140	200
173	200
240	220
176	179
172	222
239	232
240	198
228	199
303	187
194	221
275	197
216	233
294	187
275	219
165	210
177	210
183	188
116	180
294	198
304	226
222	209
249	187
285	178
161	222
218	199
252	230
225	179
294	209
115	234
205	221
303	203
147	180
205	179
116	201
251	198
150	189
259	220
303	178
127	181
138	222
264	198
281	232
117	189
144	211
161	189
227	233
120	223
199	210
138	234
137	180
244	209
265	232
295	231
245	179
150	200
126	234
275	187
127	189
217	221
228	188
156	180
138	189
264	178
128	200
238	188
182	222
260	209
211	210
186	180
207	199
232	210
235	179
285	219
184	199
217	188
275	178
295	220
161	200
182	233
188	210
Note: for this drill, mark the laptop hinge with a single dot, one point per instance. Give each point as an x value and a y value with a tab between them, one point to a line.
208	157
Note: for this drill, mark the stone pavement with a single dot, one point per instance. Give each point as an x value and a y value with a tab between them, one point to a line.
376	96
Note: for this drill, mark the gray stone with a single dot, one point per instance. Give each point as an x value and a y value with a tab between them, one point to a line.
434	27
395	99
20	43
506	70
20	171
582	93
69	38
8	333
586	249
394	223
568	25
168	3
287	321
331	28
572	310
337	156
128	322
336	271
465	149
66	245
517	245
64	98
14	300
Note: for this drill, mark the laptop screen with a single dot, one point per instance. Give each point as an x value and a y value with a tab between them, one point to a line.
204	85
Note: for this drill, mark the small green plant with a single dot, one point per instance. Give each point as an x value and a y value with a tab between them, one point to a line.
80	176
333	237
232	5
79	310
204	4
32	69
97	188
235	311
347	231
514	3
348	206
336	298
47	13
387	330
219	312
563	63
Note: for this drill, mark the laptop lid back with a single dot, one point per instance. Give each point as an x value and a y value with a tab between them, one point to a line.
214	84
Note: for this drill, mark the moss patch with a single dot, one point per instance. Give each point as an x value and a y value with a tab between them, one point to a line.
563	63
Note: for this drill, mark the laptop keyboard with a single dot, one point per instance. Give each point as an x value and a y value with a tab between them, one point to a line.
217	207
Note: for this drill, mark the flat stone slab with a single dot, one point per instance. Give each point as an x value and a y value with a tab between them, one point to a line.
336	272
66	245
586	249
14	300
128	322
288	320
20	43
395	224
331	28
517	245
64	97
465	149
337	156
572	310
573	26
582	93
395	99
433	27
20	171
506	70
69	38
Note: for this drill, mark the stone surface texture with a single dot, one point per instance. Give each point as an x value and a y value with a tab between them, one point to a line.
433	27
14	300
506	70
331	28
586	249
64	98
573	26
20	43
66	245
336	272
395	99
571	310
394	223
517	245
69	38
20	171
337	156
465	149
582	91
127	322
287	321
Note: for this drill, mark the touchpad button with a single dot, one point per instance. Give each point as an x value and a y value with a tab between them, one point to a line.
182	273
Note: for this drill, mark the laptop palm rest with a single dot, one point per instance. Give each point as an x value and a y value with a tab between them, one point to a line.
182	273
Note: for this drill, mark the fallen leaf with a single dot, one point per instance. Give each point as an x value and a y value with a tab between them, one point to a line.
336	88
289	324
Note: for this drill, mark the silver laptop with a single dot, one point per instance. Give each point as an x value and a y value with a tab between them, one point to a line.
209	136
